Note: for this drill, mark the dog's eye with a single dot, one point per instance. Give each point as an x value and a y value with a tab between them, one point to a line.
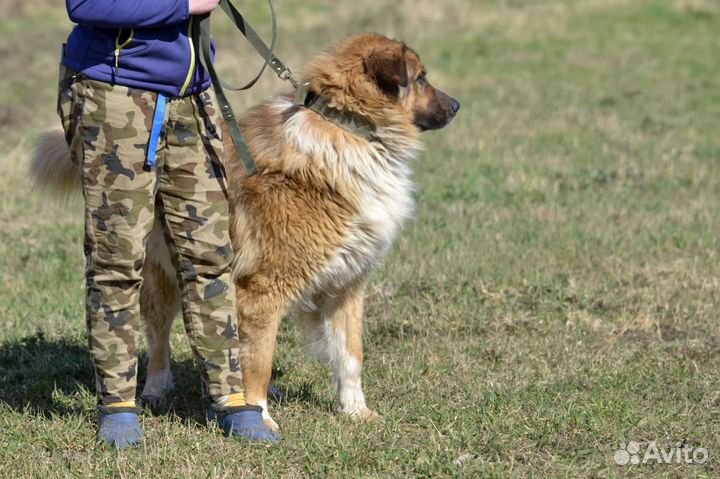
422	80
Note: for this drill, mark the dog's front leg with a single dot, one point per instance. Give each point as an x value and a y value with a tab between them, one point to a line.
259	316
342	318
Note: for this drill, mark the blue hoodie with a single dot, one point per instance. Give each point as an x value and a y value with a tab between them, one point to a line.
137	43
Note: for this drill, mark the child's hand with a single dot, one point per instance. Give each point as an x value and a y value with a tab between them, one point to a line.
198	7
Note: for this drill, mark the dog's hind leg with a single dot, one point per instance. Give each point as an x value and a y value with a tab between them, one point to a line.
335	336
159	305
259	316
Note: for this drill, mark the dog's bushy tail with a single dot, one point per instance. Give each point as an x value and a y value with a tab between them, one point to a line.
51	167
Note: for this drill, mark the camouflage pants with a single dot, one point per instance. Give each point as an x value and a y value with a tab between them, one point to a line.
107	129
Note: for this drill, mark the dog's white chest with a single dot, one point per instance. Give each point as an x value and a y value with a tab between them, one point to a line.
384	210
385	205
378	179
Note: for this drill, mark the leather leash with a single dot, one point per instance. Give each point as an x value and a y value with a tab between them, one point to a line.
201	38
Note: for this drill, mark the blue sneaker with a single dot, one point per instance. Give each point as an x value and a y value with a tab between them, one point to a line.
119	426
243	422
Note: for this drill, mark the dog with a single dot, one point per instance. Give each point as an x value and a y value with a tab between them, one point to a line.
333	190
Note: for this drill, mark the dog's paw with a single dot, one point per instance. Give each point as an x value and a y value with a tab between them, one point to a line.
363	414
158	384
155	404
267	419
367	415
270	422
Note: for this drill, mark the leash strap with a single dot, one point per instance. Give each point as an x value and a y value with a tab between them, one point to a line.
201	36
257	43
157	124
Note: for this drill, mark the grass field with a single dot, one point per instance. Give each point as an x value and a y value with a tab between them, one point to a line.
556	296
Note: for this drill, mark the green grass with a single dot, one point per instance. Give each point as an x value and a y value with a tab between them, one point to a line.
556	296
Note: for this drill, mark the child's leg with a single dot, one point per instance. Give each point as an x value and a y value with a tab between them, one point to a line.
195	215
106	127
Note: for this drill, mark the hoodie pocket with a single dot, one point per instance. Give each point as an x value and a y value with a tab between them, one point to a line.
114	45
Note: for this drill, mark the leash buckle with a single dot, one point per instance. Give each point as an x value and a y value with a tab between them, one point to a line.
286	75
301	93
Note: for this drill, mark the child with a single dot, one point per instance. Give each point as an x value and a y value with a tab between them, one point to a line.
142	125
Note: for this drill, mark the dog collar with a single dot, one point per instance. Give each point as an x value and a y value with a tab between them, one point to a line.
347	120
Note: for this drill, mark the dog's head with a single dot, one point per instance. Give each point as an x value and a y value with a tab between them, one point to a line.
375	76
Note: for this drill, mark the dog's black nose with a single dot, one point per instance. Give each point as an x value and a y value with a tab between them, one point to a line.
455	105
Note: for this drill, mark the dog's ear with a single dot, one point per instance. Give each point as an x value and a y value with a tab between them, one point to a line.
388	69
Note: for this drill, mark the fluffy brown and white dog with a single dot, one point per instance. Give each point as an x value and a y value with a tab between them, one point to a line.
333	189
